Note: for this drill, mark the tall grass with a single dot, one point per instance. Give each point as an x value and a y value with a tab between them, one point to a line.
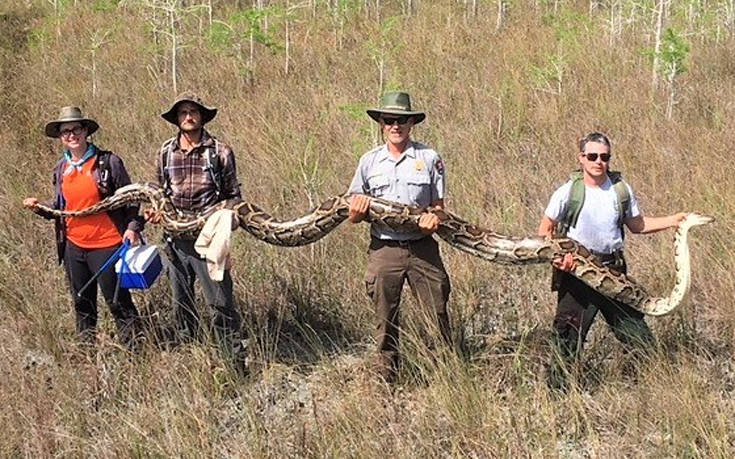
505	108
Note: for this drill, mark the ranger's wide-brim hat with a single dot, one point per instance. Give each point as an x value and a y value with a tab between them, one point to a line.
70	115
396	103
208	113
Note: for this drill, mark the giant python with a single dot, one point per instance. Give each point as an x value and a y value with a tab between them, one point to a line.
475	240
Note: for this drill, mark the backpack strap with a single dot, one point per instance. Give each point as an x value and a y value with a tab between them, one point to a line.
623	196
104	173
214	166
164	157
575	202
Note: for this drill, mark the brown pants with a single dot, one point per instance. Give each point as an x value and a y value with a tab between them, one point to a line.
390	264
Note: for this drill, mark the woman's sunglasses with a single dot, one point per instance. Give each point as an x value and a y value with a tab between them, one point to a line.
592	157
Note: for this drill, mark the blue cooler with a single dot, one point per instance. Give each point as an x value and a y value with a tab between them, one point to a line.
139	266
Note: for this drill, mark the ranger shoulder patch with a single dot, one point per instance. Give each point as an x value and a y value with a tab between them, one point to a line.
439	165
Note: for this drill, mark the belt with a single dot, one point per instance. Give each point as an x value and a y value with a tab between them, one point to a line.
374	241
614	258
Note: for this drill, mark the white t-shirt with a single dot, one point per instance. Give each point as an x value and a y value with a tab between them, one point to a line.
597	227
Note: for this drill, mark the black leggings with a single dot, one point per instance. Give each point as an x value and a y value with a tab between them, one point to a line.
81	264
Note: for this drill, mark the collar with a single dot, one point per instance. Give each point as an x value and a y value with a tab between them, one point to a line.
384	153
604	186
77	165
206	141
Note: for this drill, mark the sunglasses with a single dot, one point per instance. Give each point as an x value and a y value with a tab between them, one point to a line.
391	121
592	157
77	131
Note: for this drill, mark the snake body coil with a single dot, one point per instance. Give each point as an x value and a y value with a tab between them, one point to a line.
480	242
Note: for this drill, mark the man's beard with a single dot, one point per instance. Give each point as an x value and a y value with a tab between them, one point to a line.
190	130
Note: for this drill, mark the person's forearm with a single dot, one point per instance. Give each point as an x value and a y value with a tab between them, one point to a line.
546	227
232	190
654	224
42	213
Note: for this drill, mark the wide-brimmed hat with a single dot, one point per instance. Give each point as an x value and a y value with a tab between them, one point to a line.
70	115
208	113
396	103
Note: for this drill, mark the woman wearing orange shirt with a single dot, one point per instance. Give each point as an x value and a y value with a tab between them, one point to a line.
84	176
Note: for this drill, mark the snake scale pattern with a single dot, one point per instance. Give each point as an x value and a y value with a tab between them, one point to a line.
475	240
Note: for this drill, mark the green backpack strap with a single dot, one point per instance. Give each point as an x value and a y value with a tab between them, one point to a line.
623	195
576	200
574	204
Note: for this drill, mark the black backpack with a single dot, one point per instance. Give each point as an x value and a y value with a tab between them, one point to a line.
104	181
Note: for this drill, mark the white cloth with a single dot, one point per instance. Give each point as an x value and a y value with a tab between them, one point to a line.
597	227
215	241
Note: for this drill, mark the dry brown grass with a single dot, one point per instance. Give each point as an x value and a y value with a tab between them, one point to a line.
297	140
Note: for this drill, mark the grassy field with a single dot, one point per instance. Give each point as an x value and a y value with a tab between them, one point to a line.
506	98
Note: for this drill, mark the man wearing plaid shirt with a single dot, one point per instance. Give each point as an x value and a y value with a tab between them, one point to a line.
197	171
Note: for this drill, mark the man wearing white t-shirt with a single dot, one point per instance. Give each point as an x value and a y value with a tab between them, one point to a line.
601	206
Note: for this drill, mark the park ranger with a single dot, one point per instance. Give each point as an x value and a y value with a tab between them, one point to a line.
407	172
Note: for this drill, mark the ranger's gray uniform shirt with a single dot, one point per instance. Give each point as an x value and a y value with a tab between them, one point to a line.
416	178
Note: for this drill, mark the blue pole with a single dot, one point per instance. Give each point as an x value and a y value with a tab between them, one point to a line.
113	258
